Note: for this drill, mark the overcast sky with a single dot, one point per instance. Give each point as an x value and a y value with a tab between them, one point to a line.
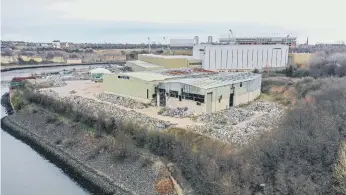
132	21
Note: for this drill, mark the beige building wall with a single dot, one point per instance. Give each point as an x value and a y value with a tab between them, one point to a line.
246	97
172	102
34	58
74	61
301	59
170	62
133	87
58	60
8	59
137	68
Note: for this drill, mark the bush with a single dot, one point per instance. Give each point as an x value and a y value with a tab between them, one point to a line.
298	158
49	118
145	162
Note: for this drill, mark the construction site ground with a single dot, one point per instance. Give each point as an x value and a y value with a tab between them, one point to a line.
235	125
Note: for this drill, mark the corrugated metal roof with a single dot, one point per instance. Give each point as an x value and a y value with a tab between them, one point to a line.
147	76
161	75
143	64
218	80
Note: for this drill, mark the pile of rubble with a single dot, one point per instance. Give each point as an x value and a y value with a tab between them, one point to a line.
126	102
182	112
232	116
240	125
50	81
106	110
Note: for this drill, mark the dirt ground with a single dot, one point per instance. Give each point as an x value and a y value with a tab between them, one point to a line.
258	120
89	89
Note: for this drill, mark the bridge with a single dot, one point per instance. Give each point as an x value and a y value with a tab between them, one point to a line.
18	67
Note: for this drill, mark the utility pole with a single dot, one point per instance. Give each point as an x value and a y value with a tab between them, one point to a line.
149	51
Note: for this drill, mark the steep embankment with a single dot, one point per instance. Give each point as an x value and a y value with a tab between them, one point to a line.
83	156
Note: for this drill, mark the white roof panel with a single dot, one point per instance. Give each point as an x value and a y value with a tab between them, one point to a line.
147	76
218	80
100	71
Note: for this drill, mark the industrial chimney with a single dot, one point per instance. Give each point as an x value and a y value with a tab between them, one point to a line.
210	40
196	40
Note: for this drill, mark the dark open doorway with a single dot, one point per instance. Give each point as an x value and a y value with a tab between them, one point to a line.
162	94
231	97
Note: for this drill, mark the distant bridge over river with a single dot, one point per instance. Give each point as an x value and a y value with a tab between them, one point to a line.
18	67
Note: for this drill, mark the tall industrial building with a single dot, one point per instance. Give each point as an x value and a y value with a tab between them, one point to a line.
241	57
290	41
181	43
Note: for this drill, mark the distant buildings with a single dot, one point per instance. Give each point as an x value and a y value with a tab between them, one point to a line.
241	57
36	59
56	44
330	45
61	45
73	61
290	41
184	43
9	59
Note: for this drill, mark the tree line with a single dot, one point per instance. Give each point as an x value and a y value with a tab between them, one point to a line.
301	156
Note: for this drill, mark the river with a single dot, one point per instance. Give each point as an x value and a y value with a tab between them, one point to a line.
23	171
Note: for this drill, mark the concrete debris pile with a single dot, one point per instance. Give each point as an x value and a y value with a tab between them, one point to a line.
50	81
106	111
182	112
113	68
80	76
240	125
126	102
232	116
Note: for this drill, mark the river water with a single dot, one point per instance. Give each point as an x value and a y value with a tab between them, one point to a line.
23	171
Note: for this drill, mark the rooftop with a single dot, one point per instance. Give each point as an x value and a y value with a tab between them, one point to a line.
217	80
169	57
144	64
147	76
161	75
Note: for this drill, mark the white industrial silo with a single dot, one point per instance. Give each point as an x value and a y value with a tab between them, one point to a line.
196	40
210	39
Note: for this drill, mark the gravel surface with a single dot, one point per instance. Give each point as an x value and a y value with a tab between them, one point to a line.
239	125
50	81
126	102
182	112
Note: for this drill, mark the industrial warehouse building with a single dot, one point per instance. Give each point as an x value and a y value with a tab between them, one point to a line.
138	65
241	57
200	90
211	93
175	61
142	85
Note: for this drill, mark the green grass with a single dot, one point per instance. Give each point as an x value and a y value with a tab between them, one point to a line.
266	97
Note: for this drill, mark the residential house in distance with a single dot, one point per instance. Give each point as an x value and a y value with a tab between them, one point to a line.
74	61
56	44
37	59
58	60
9	59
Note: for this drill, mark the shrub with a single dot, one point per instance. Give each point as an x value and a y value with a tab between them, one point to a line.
145	162
49	118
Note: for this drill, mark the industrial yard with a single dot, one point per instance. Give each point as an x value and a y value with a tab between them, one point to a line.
236	125
162	92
